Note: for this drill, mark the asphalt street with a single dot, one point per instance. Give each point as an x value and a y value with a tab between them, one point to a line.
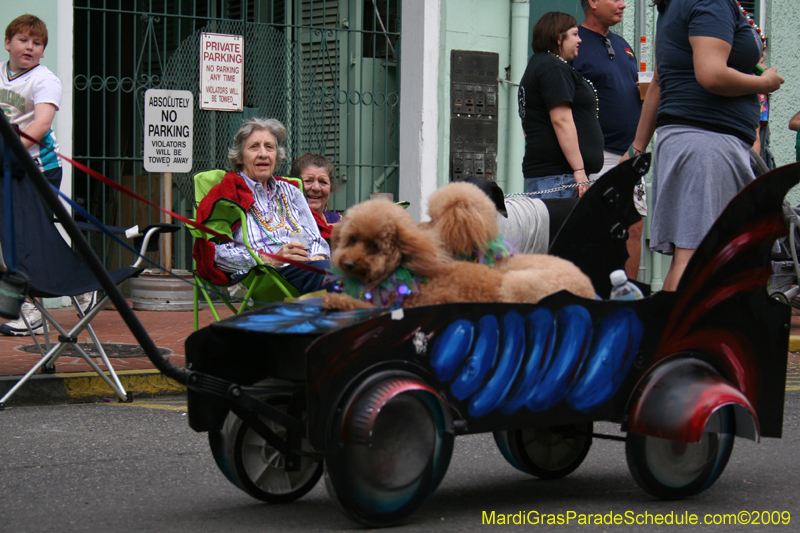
139	467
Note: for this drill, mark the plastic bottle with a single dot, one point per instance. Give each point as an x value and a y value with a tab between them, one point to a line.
624	289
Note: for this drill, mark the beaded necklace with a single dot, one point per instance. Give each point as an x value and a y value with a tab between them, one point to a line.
753	24
596	99
285	219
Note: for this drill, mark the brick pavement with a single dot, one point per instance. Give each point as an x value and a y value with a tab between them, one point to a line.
168	329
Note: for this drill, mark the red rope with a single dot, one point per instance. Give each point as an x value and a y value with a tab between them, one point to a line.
124	190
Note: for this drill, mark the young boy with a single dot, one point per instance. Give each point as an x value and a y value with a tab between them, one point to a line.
30	95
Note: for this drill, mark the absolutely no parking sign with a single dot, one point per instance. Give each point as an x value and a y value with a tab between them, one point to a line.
168	124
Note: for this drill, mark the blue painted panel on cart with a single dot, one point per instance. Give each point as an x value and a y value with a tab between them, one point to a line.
286	318
537	360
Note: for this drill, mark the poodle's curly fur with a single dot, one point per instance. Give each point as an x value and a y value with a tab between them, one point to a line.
464	217
376	237
465	220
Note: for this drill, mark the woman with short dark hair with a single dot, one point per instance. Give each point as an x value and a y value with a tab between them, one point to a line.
558	108
316	171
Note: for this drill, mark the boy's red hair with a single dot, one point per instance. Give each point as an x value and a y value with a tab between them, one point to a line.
29	24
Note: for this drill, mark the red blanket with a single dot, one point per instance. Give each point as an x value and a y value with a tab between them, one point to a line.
233	188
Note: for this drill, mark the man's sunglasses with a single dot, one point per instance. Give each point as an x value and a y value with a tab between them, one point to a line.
609	48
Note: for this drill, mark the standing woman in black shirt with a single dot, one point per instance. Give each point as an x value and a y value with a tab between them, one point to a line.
558	108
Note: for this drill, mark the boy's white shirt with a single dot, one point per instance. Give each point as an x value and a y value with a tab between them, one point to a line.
19	96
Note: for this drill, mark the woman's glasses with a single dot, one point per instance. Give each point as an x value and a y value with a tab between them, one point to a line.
609	48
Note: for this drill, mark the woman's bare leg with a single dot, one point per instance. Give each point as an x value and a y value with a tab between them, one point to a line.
679	261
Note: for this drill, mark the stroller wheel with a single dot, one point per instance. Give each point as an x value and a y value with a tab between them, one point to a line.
778	295
257	468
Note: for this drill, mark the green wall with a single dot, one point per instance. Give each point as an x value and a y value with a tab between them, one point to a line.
783	20
540	7
481	25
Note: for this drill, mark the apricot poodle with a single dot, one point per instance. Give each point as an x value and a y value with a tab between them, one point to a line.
465	220
376	239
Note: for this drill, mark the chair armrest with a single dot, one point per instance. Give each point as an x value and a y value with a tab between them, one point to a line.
143	239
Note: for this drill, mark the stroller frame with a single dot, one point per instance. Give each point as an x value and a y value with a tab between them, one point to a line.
786	270
50	354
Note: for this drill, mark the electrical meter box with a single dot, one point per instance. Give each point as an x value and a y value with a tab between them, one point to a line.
473	115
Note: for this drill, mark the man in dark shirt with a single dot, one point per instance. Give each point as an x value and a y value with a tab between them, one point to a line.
608	61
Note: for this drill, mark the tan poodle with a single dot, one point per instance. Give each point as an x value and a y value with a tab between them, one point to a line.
465	219
377	238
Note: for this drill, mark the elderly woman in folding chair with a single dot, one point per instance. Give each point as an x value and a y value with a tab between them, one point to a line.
279	220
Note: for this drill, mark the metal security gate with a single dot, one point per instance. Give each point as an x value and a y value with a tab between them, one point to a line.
326	68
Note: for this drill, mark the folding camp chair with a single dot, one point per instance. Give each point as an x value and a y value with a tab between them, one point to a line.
264	284
55	270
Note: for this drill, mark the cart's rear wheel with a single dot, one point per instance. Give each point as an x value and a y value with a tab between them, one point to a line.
546	452
388	451
254	466
673	470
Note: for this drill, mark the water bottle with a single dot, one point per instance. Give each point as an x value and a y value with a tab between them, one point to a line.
624	289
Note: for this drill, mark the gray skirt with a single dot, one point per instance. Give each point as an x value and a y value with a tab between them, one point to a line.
696	173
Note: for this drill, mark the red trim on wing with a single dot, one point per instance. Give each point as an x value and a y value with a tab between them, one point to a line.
726	343
700	295
686	420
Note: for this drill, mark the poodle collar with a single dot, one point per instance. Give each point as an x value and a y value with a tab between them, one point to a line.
496	250
388	293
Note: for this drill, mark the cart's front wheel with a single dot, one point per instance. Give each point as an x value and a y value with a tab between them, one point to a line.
546	452
673	470
388	450
256	467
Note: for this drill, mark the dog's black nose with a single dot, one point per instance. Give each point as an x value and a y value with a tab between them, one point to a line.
347	265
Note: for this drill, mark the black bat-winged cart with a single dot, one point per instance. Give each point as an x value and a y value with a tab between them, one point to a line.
374	399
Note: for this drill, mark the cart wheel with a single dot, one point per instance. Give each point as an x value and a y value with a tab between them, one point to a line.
257	468
388	451
778	295
673	470
546	452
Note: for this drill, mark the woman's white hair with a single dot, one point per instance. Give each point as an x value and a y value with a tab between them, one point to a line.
272	125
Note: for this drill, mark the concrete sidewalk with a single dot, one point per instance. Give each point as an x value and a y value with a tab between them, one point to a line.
75	381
